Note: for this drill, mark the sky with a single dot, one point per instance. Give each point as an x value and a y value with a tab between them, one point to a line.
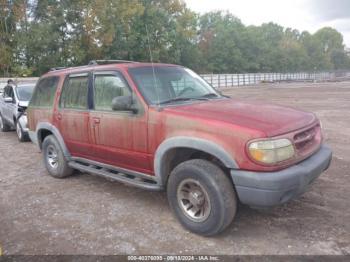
309	15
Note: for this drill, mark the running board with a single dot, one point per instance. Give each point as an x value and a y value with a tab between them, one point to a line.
116	174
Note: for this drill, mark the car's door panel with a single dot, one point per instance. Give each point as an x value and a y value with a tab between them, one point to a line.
120	140
72	118
120	136
75	132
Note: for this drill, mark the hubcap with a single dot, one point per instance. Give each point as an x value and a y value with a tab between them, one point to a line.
19	131
52	156
193	200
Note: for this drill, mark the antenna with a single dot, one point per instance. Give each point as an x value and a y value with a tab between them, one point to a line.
151	57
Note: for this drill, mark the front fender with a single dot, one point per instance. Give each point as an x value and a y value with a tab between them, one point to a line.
193	143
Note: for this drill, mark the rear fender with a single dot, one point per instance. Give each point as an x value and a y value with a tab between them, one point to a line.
56	133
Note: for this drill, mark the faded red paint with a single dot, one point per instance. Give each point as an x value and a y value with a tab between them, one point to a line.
130	141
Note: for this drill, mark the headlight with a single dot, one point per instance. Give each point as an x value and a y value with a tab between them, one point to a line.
271	151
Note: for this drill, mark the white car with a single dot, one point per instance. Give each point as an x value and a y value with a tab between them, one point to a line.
13	102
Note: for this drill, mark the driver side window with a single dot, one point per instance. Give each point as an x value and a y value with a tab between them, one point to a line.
107	87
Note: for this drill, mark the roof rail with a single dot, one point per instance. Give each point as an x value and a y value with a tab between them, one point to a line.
99	62
57	68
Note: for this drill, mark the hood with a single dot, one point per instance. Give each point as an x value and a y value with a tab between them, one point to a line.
273	120
23	104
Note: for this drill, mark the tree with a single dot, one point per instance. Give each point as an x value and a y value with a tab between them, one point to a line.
220	42
10	15
36	35
331	43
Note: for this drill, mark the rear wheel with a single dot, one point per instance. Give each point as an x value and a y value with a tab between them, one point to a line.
54	160
4	127
22	136
202	197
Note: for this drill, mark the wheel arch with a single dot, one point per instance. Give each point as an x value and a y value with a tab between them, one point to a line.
166	150
44	129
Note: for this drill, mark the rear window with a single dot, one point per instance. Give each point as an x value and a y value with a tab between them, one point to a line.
44	92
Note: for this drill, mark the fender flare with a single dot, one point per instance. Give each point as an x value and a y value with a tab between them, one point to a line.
193	143
56	133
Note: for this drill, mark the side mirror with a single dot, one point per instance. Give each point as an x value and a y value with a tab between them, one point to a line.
123	103
8	100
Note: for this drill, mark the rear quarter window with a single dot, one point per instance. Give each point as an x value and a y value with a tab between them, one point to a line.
44	92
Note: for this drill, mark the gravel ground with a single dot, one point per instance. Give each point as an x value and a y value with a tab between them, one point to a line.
84	214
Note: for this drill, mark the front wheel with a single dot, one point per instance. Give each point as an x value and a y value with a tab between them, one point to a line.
54	160
202	197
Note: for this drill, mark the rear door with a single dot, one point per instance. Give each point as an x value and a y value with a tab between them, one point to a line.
72	117
120	137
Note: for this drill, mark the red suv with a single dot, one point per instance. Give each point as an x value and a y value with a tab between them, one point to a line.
162	127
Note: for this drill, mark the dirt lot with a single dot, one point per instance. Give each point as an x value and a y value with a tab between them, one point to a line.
90	215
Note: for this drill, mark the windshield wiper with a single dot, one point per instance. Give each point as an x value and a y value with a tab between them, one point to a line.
215	95
177	99
209	95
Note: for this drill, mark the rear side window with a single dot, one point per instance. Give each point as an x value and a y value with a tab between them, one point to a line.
45	91
75	92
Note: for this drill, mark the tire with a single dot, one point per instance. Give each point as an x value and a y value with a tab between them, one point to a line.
210	190
4	127
22	136
54	160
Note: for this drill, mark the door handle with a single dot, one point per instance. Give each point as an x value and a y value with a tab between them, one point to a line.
59	116
96	120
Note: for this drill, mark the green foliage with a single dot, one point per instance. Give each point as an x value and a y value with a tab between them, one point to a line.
36	35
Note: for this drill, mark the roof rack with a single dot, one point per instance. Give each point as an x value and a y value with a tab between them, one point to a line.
99	62
57	68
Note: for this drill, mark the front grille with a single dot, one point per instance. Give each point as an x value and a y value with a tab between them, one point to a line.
304	138
308	140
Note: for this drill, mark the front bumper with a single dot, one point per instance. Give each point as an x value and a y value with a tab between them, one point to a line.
266	189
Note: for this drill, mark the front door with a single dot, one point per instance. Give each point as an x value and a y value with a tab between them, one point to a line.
72	118
120	136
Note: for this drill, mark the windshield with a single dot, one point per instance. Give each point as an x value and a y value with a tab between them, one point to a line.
169	84
24	93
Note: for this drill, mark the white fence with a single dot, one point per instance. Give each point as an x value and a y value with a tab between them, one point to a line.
230	80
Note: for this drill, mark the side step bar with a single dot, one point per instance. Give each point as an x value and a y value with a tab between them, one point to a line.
116	174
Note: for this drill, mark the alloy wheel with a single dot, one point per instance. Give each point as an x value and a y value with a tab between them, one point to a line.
52	156
193	200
